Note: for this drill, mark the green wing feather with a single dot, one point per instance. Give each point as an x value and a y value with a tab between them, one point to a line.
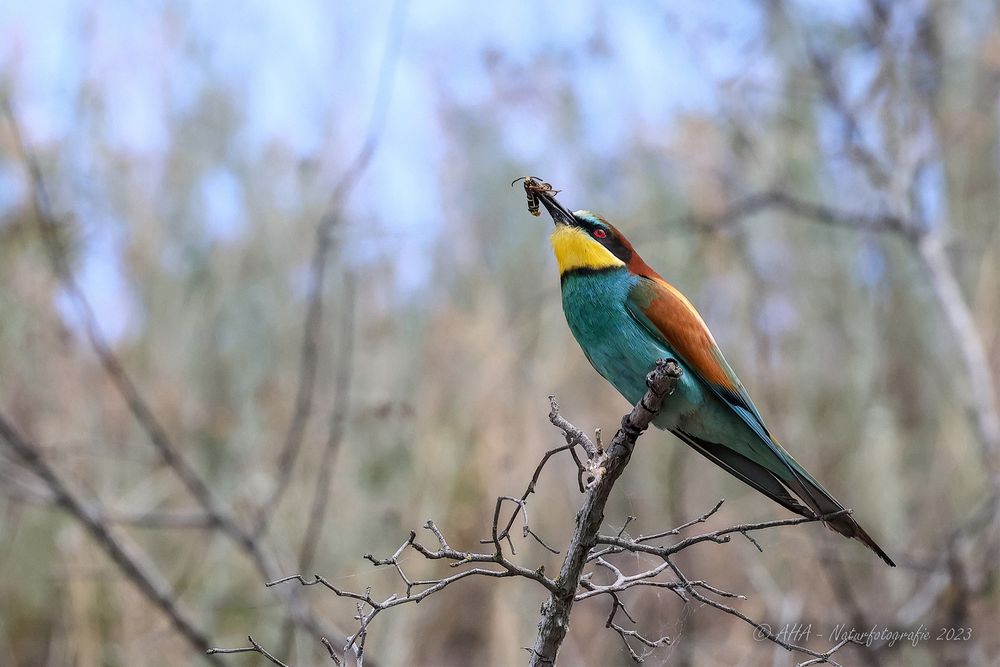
762	463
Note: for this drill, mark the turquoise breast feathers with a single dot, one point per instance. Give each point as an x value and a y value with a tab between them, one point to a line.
616	346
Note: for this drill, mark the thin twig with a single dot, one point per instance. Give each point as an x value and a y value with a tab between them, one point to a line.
253	648
574	436
634	634
521	503
718	536
761	629
684	526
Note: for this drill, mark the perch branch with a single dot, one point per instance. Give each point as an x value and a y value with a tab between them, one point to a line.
556	610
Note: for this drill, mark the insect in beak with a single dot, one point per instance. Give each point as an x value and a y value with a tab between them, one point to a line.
540	192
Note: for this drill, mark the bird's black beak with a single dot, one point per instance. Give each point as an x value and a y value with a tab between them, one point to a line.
560	214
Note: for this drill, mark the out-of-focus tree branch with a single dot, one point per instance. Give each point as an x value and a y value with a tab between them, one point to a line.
776	199
335	432
979	393
328	223
49	231
214	515
140	571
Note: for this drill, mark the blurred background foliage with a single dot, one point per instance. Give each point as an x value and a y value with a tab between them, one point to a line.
191	150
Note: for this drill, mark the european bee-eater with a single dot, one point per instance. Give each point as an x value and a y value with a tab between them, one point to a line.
625	317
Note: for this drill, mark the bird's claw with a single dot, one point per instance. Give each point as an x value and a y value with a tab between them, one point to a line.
595	469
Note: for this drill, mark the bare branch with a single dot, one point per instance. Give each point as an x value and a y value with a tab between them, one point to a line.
556	610
253	648
574	436
521	503
879	223
825	657
761	630
684	526
626	634
718	536
419	589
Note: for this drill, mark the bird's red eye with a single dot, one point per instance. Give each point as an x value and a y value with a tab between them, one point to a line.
600	233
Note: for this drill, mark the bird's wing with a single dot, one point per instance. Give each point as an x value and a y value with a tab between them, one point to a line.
763	463
667	315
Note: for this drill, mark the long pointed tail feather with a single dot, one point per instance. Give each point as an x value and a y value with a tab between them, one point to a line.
818	501
821	502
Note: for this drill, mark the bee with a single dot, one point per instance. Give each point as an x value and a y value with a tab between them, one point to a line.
532	187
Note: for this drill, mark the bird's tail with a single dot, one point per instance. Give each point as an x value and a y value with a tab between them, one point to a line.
822	503
815	500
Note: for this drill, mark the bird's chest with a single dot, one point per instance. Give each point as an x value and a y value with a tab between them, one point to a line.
620	350
618	347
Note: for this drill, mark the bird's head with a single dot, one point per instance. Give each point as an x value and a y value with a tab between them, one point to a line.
583	240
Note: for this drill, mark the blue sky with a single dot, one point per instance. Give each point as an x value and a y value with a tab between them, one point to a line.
292	66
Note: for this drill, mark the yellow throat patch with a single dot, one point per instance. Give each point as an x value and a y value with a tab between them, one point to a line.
576	249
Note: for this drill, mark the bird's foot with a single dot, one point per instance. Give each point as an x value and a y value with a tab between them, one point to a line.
596	467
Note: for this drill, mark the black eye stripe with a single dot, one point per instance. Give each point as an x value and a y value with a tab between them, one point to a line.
609	240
